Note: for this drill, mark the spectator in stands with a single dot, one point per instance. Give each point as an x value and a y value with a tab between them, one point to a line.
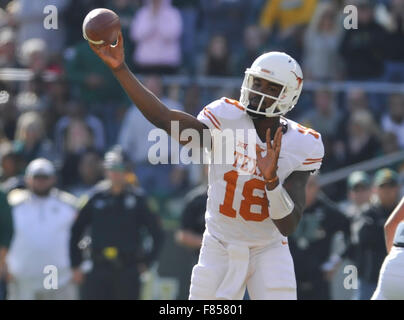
225	17
326	116
363	49
289	18
287	14
311	244
370	233
394	120
35	55
394	67
361	139
189	10
253	46
78	138
6	234
321	60
8	56
332	159
34	97
155	179
90	173
75	110
8	116
359	192
58	92
357	99
30	139
218	59
95	86
192	99
43	217
30	20
12	167
389	143
156	30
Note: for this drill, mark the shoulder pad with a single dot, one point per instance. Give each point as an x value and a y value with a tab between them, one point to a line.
233	102
229	108
308	146
216	114
18	196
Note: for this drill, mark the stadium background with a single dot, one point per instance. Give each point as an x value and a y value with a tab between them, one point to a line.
57	100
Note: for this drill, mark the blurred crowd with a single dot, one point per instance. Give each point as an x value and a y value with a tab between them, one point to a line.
72	110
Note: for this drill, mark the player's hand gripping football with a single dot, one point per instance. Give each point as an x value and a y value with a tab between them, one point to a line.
269	163
112	55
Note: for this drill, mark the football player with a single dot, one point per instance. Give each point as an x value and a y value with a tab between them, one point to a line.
255	202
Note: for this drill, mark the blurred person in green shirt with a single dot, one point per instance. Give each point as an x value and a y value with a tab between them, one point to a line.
93	84
6	233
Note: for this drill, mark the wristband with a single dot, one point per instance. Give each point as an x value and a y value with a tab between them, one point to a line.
280	202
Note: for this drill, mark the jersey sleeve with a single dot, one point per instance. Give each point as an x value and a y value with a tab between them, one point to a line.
313	158
221	114
209	115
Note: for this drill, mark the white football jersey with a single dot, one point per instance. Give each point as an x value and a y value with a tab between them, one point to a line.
238	210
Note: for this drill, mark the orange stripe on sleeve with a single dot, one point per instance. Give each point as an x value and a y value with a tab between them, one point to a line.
235	103
311	162
213	116
211	120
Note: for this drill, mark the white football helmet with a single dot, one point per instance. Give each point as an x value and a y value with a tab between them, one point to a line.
280	68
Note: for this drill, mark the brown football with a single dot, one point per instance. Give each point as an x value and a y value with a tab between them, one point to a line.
101	27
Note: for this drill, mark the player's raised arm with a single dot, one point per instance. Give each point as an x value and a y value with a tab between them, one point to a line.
151	107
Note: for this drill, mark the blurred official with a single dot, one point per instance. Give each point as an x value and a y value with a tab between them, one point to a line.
358	198
42	216
192	227
311	244
371	249
118	216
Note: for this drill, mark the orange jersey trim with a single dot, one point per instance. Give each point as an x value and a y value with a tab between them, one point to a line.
235	103
311	162
315	159
211	120
213	116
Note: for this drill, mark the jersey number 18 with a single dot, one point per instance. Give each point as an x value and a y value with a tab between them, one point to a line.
250	199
